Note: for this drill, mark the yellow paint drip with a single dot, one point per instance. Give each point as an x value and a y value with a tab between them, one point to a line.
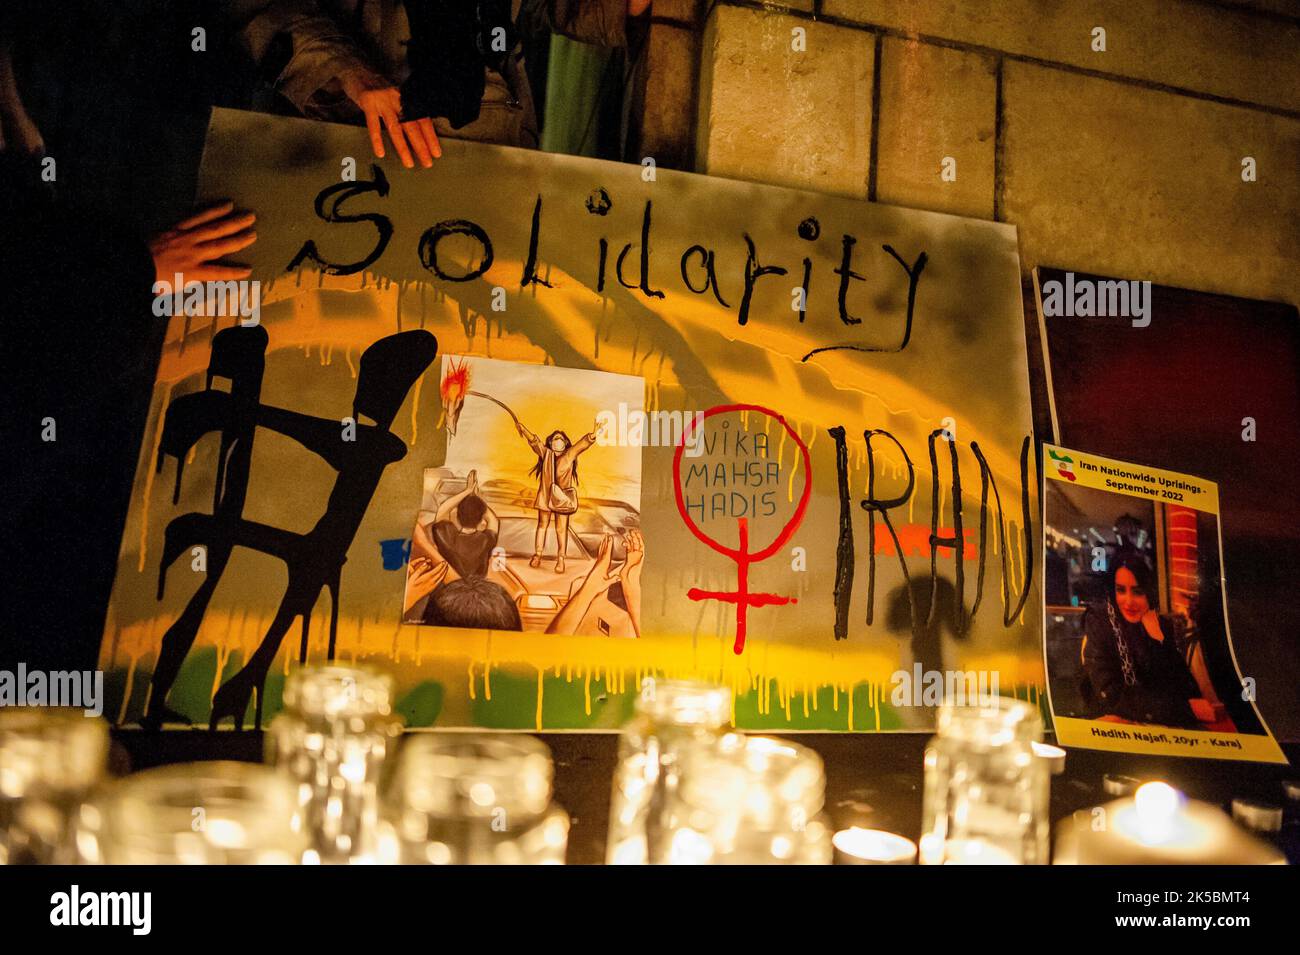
294	318
415	408
150	469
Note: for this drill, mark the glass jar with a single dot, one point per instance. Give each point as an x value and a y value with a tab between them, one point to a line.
476	799
986	793
747	801
670	715
50	759
333	738
219	813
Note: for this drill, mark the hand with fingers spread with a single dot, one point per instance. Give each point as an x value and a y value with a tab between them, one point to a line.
192	247
597	581
635	545
382	106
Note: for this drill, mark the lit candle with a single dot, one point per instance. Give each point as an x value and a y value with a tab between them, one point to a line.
1257	816
1157	817
975	852
1115	784
856	846
1158	825
1054	756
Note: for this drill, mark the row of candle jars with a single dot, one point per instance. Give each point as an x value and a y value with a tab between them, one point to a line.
50	762
331	792
685	791
688	792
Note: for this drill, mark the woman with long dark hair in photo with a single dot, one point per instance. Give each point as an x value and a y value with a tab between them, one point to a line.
1134	657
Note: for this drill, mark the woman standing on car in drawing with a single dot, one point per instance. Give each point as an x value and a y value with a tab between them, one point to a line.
557	486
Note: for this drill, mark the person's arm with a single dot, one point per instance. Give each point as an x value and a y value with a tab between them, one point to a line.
423	576
423	545
317	65
534	442
422	542
1177	671
572	451
1194	655
593	585
600	22
448	507
303	51
193	247
17	130
630	576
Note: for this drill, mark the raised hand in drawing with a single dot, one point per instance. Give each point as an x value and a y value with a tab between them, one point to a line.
629	576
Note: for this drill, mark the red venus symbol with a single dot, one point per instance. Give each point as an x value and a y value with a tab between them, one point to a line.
741	596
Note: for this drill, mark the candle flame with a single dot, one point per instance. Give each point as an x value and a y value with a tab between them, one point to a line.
1157	806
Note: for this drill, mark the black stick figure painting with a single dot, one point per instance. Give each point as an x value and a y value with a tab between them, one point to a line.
357	450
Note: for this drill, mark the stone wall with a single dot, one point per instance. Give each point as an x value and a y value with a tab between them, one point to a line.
1125	162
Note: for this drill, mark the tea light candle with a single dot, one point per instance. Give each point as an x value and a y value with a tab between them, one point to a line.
1054	756
1158	825
1257	816
975	852
1115	784
857	846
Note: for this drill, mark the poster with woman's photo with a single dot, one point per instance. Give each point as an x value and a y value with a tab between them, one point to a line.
1138	651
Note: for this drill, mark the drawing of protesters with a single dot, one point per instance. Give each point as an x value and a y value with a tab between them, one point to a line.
464	531
615	595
